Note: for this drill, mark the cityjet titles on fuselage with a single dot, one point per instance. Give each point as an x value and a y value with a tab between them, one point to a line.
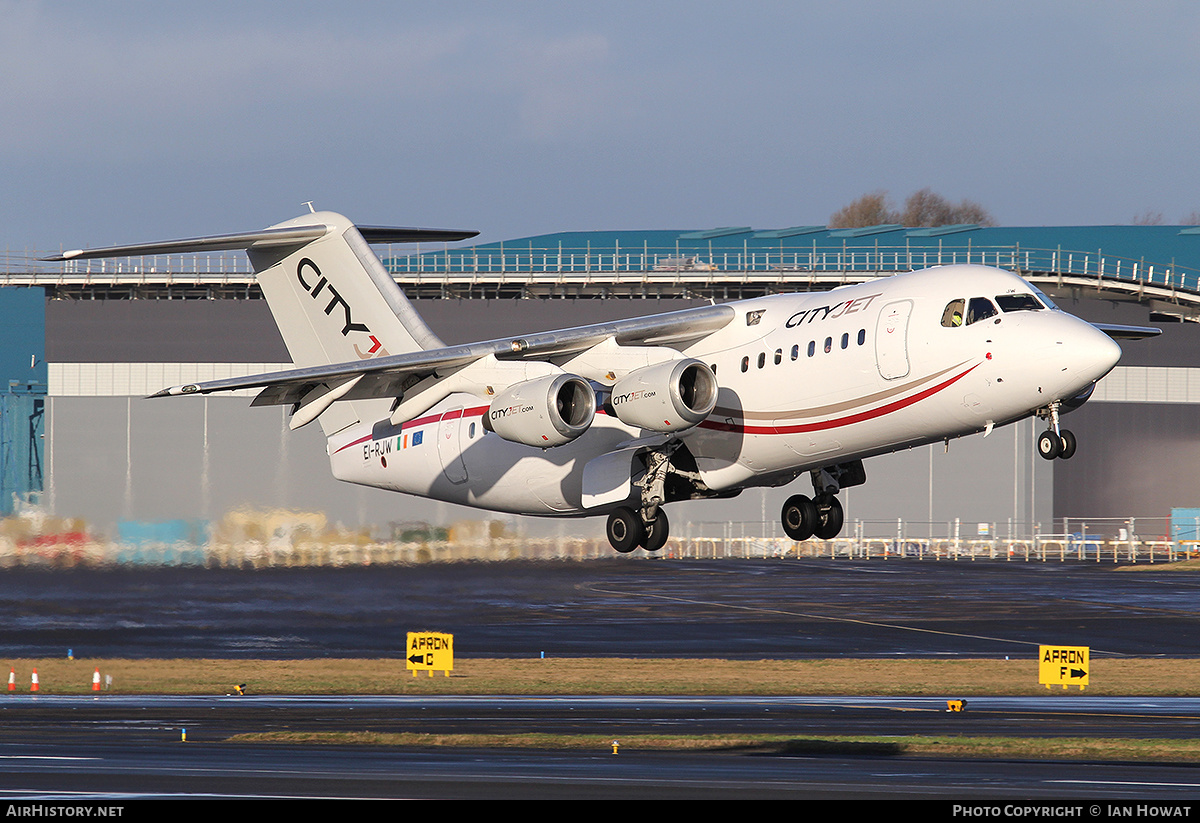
829	312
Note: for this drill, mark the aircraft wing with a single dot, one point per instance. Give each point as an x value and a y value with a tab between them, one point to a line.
389	376
1117	332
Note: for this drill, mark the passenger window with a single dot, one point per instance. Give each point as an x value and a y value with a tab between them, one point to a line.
812	347
952	317
862	336
778	356
762	359
745	363
828	345
796	351
980	308
846	340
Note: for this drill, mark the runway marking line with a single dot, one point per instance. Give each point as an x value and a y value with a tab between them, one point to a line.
811	616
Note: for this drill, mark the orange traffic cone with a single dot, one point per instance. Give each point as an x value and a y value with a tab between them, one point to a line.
33	685
96	681
12	680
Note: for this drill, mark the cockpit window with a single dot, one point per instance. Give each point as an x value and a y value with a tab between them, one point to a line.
1018	302
1046	301
952	317
980	308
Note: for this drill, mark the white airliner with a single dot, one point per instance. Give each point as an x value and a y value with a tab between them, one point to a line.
618	419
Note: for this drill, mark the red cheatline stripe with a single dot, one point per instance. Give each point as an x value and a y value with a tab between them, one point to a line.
839	421
741	427
420	421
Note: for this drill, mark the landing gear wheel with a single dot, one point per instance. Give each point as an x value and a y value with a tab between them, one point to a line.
656	532
625	530
1049	445
1068	445
799	517
829	517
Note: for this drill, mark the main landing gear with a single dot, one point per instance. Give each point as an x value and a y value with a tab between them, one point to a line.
1055	441
822	516
626	530
646	525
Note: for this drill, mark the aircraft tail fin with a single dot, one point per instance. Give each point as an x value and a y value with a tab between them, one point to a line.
331	297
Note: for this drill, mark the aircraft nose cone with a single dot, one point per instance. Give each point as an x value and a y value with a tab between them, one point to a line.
1098	353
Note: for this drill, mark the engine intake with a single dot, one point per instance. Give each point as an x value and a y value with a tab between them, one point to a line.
667	397
545	412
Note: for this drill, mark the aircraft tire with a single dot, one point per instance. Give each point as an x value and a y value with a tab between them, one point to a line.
799	517
657	532
625	530
1068	445
829	518
1049	445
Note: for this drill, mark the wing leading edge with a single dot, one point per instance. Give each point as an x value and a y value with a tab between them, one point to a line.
389	376
1117	332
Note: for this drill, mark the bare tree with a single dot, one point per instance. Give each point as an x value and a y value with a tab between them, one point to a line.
968	211
924	208
1192	219
869	210
1148	217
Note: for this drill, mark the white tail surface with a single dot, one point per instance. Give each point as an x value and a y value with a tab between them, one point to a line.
330	296
334	303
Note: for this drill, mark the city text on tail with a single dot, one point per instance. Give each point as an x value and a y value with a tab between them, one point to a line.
620	419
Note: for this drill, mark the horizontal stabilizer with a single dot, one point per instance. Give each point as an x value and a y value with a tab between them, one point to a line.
265	238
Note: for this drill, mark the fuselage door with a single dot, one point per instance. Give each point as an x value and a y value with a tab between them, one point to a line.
449	446
891	340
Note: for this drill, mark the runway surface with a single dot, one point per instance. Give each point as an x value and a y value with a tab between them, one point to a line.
737	609
120	748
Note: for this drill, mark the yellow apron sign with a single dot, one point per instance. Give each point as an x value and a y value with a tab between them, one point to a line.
1064	665
431	652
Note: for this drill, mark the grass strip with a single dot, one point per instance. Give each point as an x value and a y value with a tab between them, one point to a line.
1037	748
608	676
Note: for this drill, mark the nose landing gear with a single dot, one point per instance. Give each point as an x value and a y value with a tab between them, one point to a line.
1055	442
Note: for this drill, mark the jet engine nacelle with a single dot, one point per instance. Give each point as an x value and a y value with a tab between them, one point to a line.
666	397
544	412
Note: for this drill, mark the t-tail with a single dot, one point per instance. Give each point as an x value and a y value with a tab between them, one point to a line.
330	296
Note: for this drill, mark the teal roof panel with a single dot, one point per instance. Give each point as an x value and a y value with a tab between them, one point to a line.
712	234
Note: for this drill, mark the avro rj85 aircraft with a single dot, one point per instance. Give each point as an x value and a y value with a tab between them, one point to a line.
619	419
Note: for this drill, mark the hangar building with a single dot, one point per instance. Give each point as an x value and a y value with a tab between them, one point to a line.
85	343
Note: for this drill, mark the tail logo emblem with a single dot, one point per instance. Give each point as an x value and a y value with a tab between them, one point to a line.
335	299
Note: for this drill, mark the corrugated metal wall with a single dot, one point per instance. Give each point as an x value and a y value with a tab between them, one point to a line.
119	457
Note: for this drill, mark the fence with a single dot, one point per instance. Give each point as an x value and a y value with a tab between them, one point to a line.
1097	540
862	541
677	265
674	263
